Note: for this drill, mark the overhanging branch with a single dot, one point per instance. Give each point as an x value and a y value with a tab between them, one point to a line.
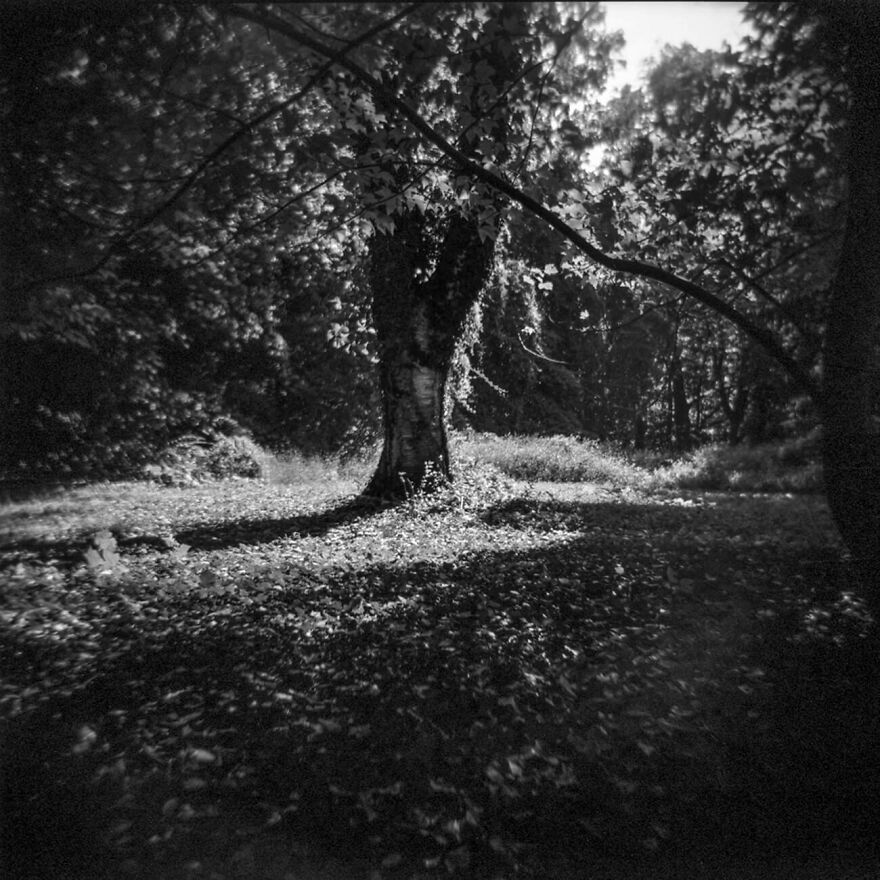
244	129
391	101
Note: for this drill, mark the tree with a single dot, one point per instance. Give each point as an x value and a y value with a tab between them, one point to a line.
478	70
162	249
851	400
731	168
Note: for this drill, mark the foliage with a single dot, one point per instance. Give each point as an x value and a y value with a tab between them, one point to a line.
252	261
740	188
199	678
148	300
567	347
792	466
486	463
234	457
554	459
764	468
192	459
476	485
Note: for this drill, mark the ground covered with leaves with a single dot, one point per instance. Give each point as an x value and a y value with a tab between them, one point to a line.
261	682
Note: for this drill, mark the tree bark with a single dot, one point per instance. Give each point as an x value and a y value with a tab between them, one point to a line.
415	443
418	324
852	351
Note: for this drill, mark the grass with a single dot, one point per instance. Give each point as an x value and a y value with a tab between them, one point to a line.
295	469
266	679
779	467
792	466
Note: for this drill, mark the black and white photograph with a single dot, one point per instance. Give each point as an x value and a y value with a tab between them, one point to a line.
439	440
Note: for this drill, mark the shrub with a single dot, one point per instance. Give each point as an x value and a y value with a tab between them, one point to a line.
475	485
193	459
235	457
764	468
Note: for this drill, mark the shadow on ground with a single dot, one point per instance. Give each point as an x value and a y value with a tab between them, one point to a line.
203	536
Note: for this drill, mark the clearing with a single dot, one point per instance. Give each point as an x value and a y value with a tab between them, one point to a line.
241	680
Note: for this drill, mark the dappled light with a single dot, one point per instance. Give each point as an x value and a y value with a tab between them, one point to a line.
434	682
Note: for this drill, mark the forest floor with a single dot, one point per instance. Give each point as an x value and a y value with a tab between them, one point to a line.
247	681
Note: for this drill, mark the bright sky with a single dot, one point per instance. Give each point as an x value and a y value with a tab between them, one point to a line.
650	26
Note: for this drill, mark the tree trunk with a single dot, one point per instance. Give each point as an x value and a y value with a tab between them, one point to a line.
681	418
851	452
418	324
427	275
737	413
415	444
640	430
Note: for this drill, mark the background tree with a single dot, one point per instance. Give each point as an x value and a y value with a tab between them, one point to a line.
852	347
179	243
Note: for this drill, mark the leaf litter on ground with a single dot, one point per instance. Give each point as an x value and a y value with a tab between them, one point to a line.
498	678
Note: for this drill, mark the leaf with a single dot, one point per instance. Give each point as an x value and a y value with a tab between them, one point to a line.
487	233
565	684
170	806
86	738
494	774
382	223
202	756
104	540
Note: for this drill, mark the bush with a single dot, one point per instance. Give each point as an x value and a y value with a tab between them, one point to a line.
235	457
193	459
769	467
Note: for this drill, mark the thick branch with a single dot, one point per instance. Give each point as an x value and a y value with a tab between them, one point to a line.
249	126
781	307
390	100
